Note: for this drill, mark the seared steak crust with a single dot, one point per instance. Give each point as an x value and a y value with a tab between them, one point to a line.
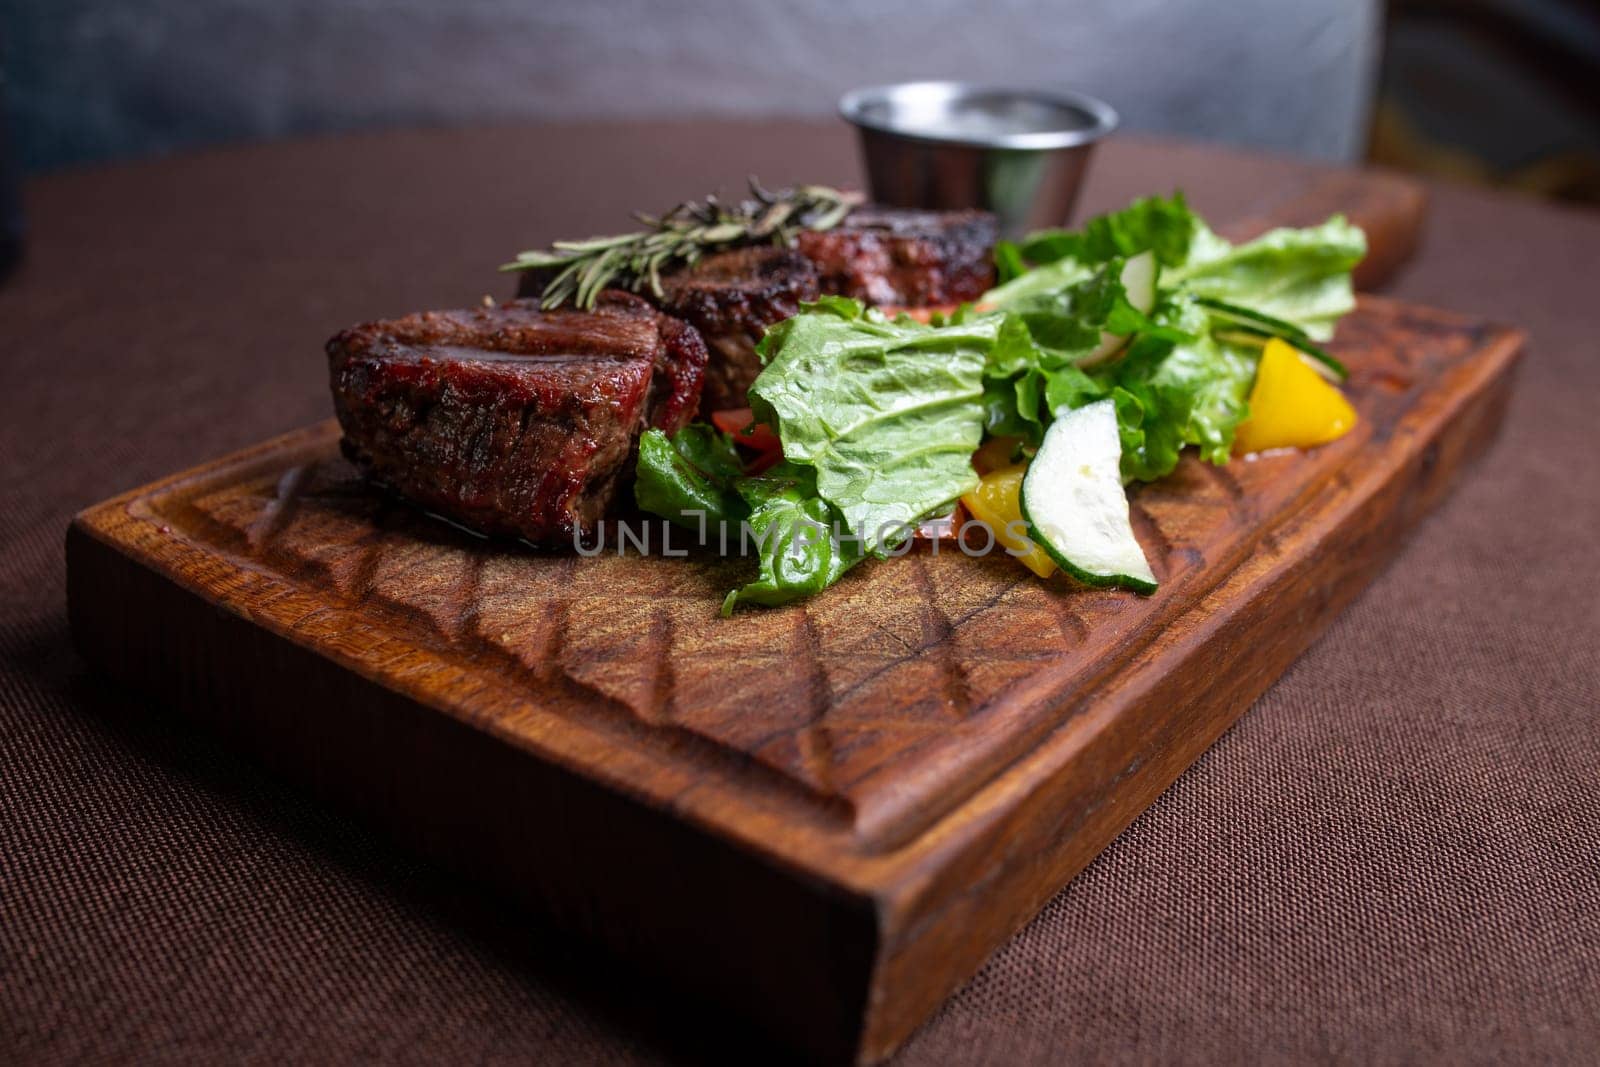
882	256
905	258
511	420
731	298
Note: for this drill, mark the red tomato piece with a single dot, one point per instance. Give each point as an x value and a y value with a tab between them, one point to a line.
741	425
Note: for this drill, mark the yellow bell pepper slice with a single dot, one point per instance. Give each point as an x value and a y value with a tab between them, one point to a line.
1291	405
997	503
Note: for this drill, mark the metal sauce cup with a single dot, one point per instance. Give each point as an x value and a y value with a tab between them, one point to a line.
1019	153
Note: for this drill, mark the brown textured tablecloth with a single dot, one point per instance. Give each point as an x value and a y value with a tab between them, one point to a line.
1395	856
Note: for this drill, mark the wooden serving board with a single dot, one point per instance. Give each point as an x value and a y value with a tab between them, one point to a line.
824	816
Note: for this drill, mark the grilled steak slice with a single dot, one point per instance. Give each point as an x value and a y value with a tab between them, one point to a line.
904	258
731	298
511	420
882	256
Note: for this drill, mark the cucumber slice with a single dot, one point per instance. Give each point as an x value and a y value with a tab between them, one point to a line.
1248	321
1138	279
1075	506
1329	370
1110	344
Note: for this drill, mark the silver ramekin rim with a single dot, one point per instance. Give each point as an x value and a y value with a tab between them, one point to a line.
854	107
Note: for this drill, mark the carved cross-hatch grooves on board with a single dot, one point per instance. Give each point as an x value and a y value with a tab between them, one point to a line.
869	698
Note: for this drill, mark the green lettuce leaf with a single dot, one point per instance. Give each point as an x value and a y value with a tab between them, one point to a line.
693	478
1300	276
1025	382
1150	441
796	537
1163	225
1069	318
887	414
1174	385
688	477
1184	378
879	419
1040	284
1008	261
1190	394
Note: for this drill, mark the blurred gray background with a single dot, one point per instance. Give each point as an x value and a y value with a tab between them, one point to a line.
94	80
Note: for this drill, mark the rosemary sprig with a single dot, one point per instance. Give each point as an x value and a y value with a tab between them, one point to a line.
679	238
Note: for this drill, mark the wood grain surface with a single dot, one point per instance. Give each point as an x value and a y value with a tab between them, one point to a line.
823	816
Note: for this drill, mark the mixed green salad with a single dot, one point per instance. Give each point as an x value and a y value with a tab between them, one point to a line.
1100	356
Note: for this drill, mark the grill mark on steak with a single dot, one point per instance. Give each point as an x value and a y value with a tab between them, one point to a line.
511	420
880	256
905	258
